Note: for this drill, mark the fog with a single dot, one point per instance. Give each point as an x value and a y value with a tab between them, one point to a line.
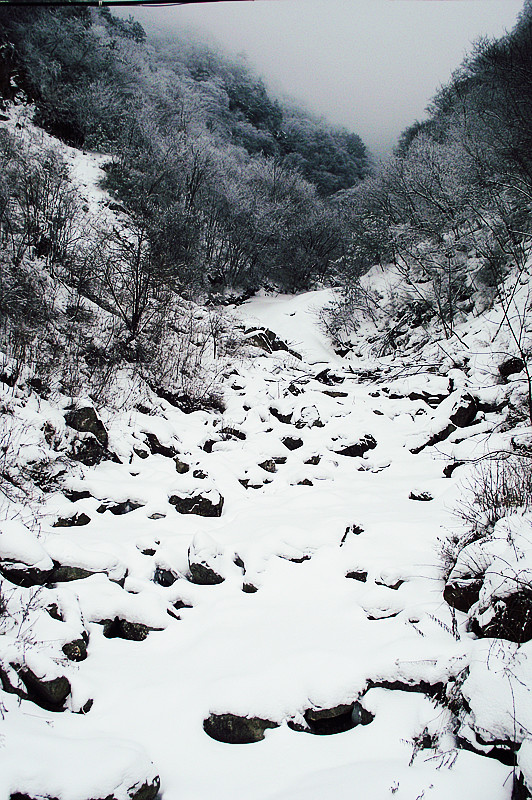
369	65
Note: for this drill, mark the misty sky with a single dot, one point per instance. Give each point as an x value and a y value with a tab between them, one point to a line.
370	65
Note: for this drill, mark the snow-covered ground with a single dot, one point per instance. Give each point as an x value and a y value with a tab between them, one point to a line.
348	580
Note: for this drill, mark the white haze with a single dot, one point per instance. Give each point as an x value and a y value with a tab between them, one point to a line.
369	65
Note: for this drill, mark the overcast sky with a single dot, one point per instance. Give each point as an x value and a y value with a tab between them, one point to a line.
369	65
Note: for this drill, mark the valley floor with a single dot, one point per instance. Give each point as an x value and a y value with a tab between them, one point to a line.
316	594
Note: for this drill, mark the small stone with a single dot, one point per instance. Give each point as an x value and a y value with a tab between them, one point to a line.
76	521
292	443
358	575
423	497
269	465
164	577
75	650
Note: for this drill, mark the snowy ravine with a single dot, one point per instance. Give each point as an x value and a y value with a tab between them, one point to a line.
317	589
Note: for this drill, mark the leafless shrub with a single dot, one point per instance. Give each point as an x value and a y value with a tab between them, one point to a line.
497	487
342	316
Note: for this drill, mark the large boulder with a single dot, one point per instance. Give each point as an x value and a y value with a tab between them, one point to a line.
48	693
88	450
458	410
86	420
267	340
511	366
209	563
204	504
23	559
508	618
235	729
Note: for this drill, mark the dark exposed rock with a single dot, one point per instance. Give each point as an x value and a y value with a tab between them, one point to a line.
147	791
63	573
450	468
267	340
180	604
249	588
328	377
305	482
462	594
53	610
395	585
464	410
335	394
313	460
434	438
199	504
432	400
73	495
203	574
164	577
123	629
49	694
294	389
141	453
232	433
436	690
90	452
86	420
329	721
286	419
76	521
199	474
292	443
357	575
156	448
75	650
356	530
24	575
124	508
511	367
181	466
512	619
423	497
232	729
269	465
364	444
